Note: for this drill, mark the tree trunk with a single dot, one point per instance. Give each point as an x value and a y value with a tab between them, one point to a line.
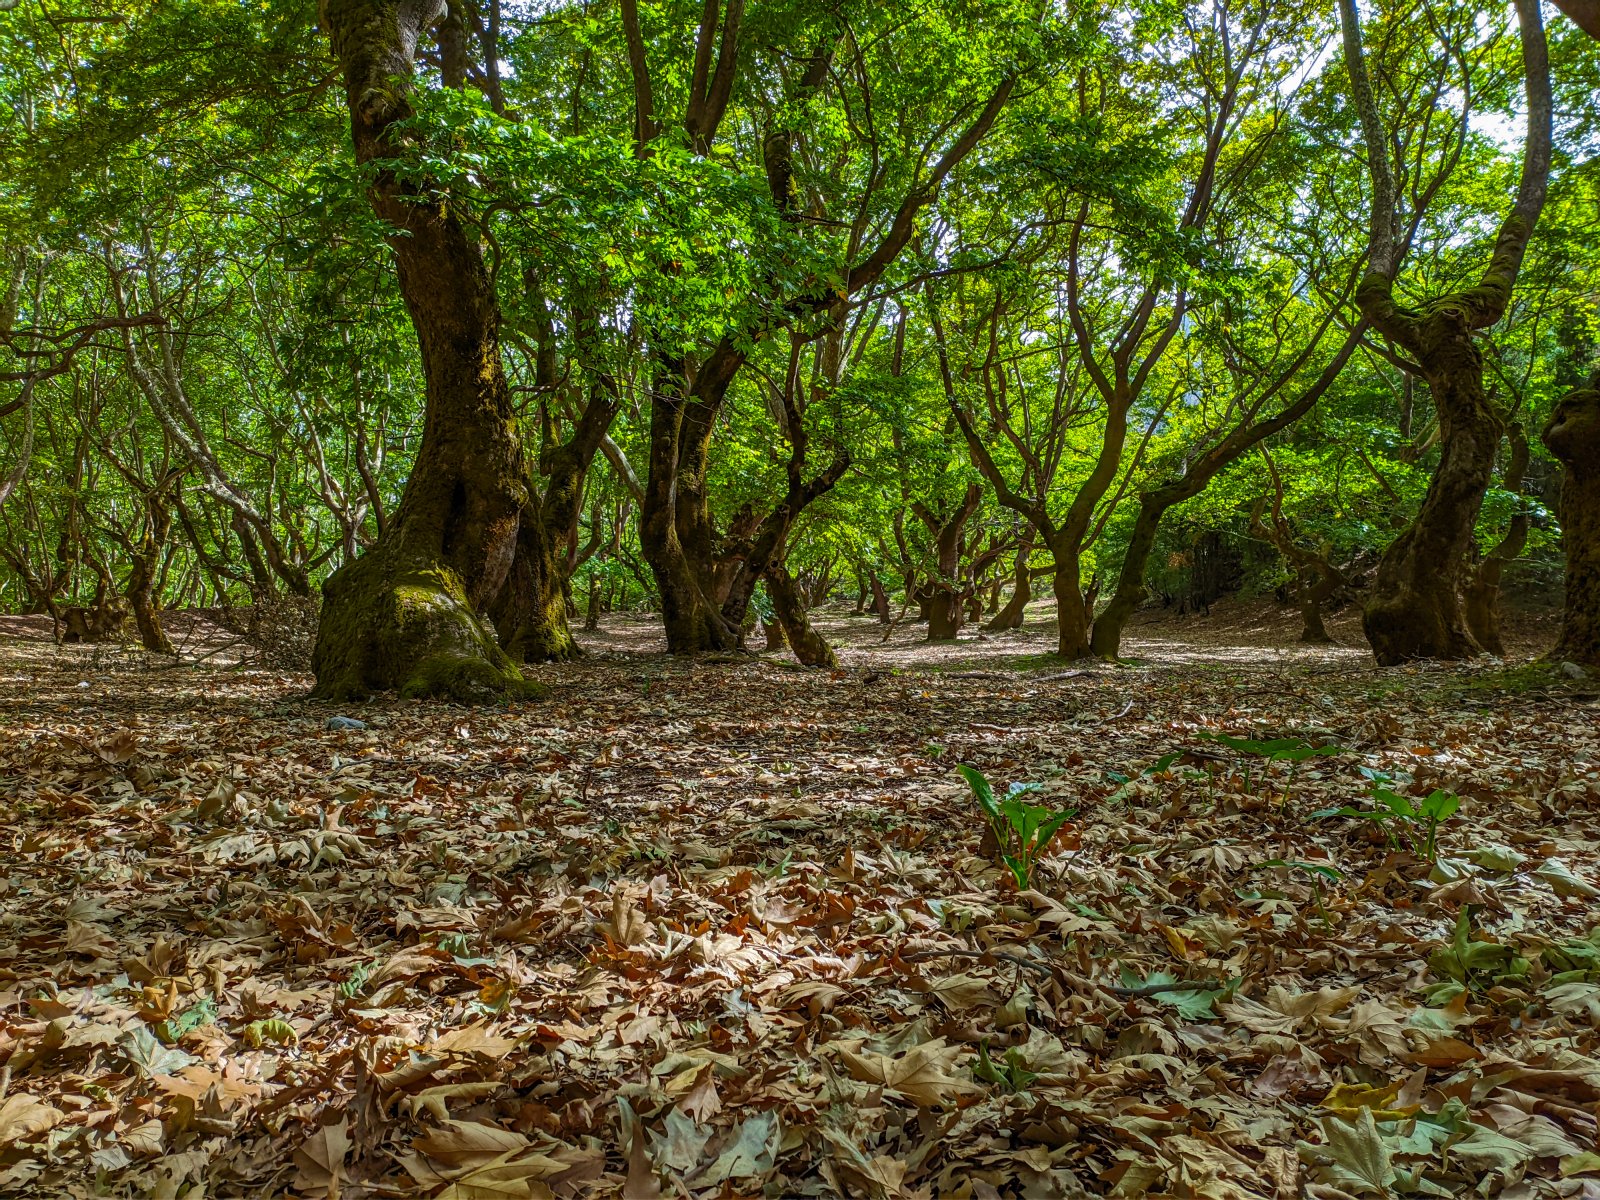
1573	436
772	631
1072	614
880	600
1312	595
1416	609
1015	611
1482	597
808	645
530	613
946	613
409	614
674	528
140	589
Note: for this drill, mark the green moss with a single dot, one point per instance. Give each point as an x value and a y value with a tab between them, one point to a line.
468	680
390	623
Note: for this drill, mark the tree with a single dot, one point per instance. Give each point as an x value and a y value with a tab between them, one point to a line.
689	387
1416	609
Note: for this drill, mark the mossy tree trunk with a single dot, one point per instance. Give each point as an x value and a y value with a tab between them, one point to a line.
409	615
1573	436
1416	608
532	611
675	520
789	607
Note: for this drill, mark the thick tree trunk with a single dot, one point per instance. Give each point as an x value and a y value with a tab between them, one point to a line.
772	632
1416	608
674	529
946	613
530	614
1072	614
809	646
409	614
1573	436
1106	640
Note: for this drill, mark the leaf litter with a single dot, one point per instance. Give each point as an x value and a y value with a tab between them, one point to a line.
728	929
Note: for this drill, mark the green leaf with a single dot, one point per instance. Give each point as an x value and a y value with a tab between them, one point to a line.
1440	805
981	790
141	1048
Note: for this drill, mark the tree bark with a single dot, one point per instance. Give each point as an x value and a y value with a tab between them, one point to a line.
140	589
809	646
409	614
942	598
880	600
1015	611
1573	436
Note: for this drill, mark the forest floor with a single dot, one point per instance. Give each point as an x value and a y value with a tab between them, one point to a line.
725	929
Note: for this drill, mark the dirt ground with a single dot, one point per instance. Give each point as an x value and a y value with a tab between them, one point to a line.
731	928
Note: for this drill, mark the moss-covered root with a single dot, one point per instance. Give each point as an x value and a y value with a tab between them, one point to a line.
407	628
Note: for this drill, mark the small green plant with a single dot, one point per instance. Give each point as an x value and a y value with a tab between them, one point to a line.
1466	963
1009	1072
355	983
1293	751
1023	831
1407	824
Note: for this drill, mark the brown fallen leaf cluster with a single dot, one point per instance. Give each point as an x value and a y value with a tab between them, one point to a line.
724	930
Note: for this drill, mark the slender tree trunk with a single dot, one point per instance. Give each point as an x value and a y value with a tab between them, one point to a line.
809	646
1106	641
140	589
1013	614
1573	436
880	600
1316	584
409	614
